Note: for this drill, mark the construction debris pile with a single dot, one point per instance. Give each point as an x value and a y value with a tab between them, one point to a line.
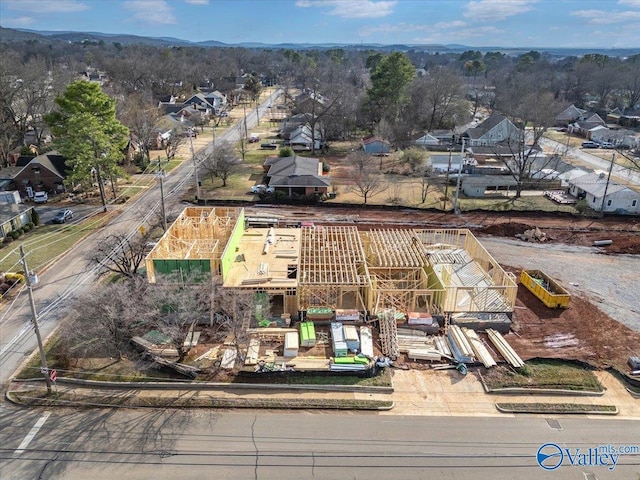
533	235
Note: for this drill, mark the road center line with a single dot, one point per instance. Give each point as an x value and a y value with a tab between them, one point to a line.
32	433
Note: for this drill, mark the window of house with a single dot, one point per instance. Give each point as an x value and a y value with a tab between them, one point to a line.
35	169
609	203
634	203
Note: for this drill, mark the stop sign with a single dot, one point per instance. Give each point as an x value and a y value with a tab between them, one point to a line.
53	375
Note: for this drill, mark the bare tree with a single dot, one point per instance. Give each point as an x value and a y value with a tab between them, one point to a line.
367	185
103	322
361	161
534	110
175	308
171	144
140	115
234	310
122	253
221	162
425	182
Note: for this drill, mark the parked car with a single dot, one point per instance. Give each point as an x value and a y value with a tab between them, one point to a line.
269	146
607	145
62	216
40	197
262	189
590	145
254	139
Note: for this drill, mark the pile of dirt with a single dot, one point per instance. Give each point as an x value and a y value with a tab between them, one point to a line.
509	229
580	332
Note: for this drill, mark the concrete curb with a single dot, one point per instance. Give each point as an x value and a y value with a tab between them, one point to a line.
558	412
228	404
81	383
632	393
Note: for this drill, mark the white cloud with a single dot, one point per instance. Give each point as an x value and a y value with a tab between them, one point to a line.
197	2
453	24
484	10
601	17
352	8
388	28
45	6
630	3
18	21
151	11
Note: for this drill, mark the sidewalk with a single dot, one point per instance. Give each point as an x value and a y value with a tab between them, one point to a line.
448	393
423	393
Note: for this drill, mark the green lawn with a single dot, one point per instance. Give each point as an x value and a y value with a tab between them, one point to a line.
547	374
45	243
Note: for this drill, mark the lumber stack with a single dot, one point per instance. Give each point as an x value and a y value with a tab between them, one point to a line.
505	349
478	347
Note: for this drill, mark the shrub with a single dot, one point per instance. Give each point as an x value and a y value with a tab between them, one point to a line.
15	234
8	238
286	152
326	168
26	228
35	217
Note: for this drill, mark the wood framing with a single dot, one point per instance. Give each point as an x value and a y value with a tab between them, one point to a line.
333	271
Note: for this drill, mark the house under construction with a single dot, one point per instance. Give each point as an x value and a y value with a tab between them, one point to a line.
443	272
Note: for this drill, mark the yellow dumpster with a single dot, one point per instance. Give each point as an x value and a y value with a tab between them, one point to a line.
550	292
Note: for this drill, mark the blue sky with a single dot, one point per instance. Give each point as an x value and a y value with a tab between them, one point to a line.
504	23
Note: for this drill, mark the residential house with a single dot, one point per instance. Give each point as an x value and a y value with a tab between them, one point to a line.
217	100
604	195
427	140
582	127
494	130
570	115
309	101
297	175
446	163
12	217
44	173
200	102
618	137
375	146
166	100
301	138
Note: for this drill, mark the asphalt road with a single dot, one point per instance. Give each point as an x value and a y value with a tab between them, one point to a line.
73	275
145	444
618	173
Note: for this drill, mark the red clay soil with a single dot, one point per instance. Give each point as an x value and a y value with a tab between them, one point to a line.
625	236
580	332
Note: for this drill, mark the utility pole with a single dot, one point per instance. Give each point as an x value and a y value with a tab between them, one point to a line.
34	318
195	166
456	210
446	182
161	178
606	187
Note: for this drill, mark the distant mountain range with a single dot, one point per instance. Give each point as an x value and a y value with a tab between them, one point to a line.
8	35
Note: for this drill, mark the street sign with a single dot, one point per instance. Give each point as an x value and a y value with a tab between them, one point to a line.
53	375
44	371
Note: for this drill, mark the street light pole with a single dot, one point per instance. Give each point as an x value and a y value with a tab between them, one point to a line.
34	318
